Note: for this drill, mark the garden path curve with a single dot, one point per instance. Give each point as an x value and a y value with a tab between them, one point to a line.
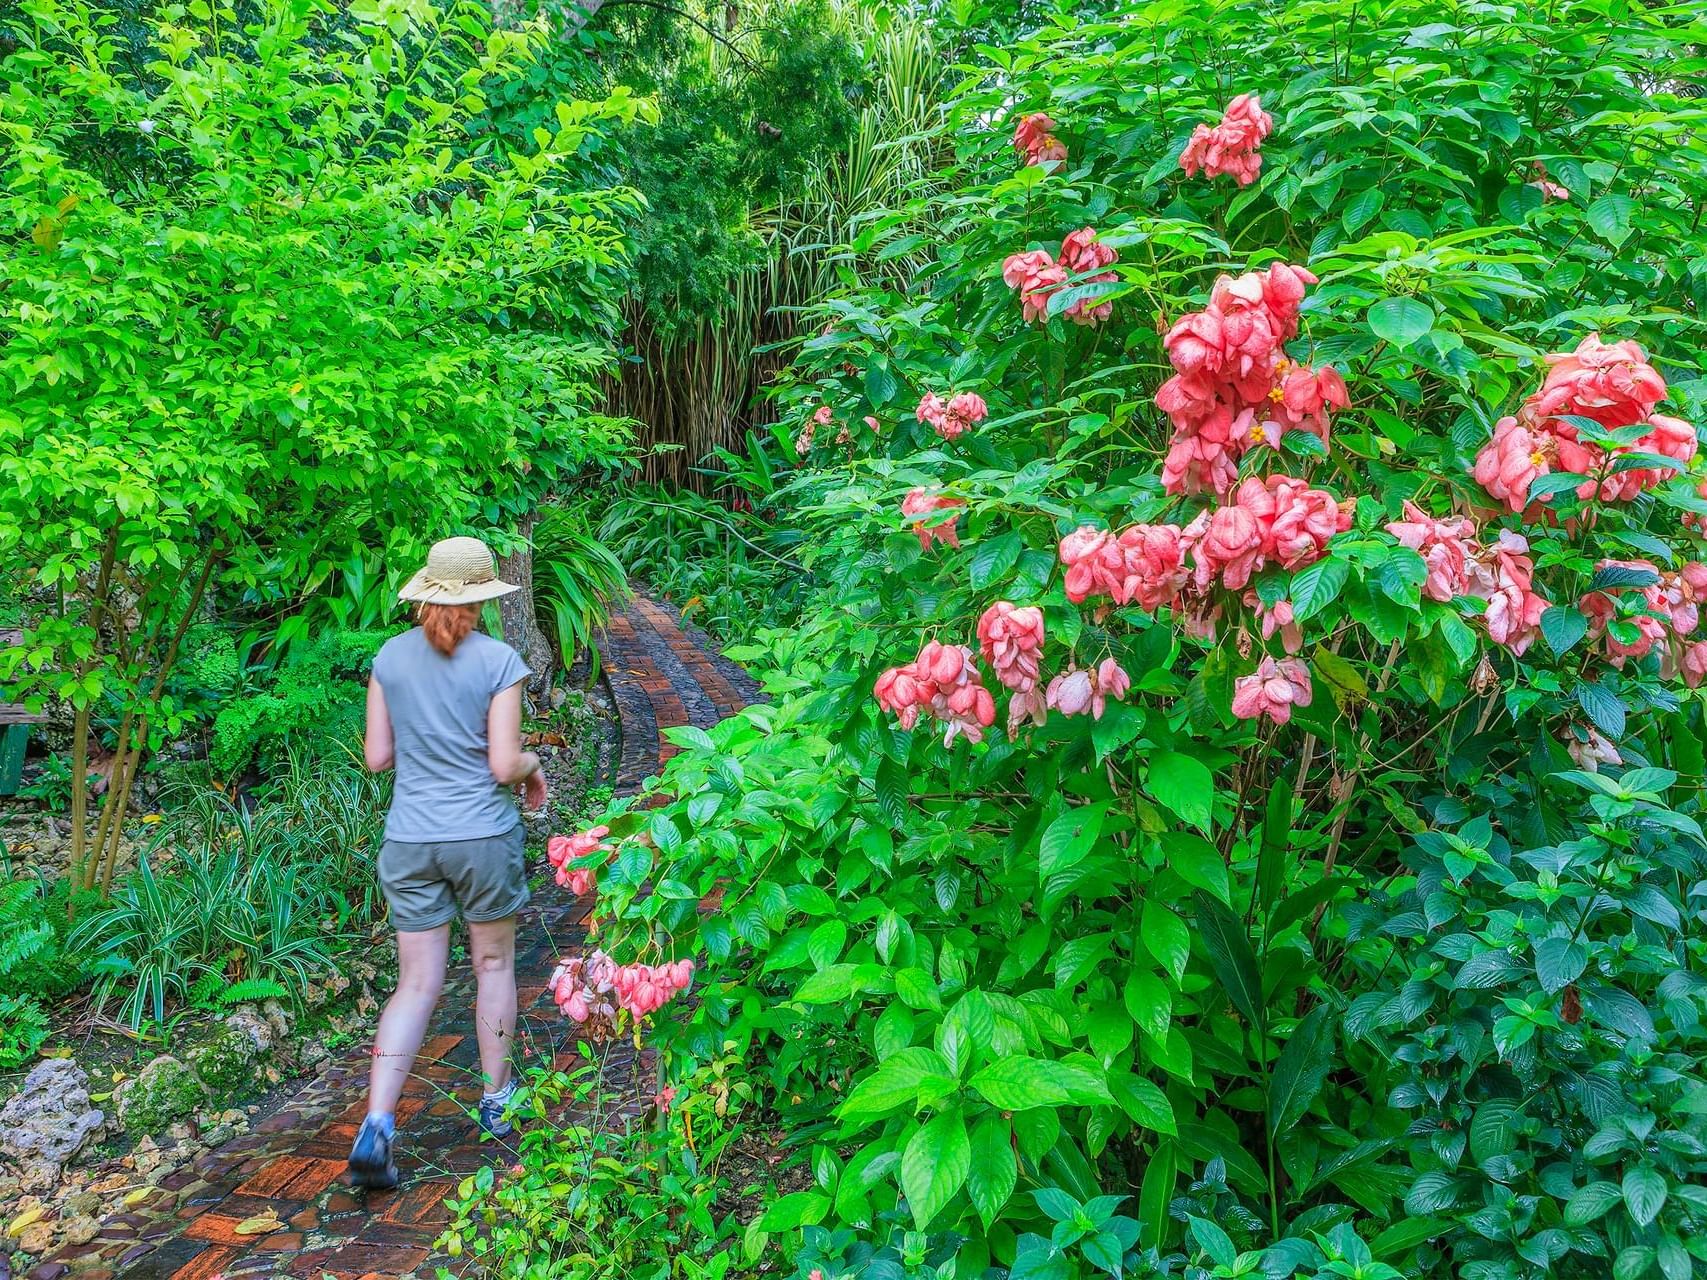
662	674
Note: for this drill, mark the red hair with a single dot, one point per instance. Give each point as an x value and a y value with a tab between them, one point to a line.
447	625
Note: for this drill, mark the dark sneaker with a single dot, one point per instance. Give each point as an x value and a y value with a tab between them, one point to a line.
492	1118
371	1164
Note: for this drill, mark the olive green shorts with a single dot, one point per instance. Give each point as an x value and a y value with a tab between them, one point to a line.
426	884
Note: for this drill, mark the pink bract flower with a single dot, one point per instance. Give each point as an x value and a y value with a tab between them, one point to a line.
1693	664
563	850
1510	463
1034	139
1232	147
922	502
1082	254
1549	189
1591	749
1071	692
1233	388
943	681
1011	641
1503	576
1230	547
932	410
1280	618
1037	276
968	408
1109	681
1272	690
1611	382
665	1097
1445	545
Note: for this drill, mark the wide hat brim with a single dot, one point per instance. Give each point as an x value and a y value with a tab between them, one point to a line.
424	589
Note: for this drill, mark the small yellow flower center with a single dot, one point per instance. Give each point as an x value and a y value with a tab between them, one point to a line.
1538	458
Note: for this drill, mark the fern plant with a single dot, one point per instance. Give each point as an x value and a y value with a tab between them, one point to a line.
29	947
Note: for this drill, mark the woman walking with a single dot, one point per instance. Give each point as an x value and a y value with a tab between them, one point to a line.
444	709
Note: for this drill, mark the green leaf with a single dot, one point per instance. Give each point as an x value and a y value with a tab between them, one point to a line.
1603	707
1231	957
1276	842
1300	1070
1184	785
1017	1083
1155	1193
1143	1100
1610	217
880	384
1317	586
1149	1002
994	1171
1165	937
1069	838
1590	1202
1361	208
935	1165
1213	1241
798	1209
1559	962
1401	321
916	990
897	1081
1644	1193
824	945
1562	628
1197	862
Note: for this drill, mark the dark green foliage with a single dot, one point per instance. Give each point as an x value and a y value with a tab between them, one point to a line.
315	697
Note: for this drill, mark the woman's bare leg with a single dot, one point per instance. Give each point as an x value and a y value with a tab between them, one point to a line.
492	951
421	959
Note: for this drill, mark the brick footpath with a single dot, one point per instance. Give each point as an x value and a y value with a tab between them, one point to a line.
662	674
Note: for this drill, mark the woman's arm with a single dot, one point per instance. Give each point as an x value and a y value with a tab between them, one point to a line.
379	749
510	765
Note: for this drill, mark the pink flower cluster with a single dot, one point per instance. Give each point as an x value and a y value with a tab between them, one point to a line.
1234	146
955	417
1278	520
1233	387
1011	640
1142	565
944	682
1034	139
922	502
1549	189
562	850
1038	274
1671	614
1076	691
590	990
1611	383
821	418
1272	690
1458	564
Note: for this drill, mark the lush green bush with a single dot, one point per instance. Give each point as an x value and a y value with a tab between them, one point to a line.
313	699
608	1196
1180	988
306	332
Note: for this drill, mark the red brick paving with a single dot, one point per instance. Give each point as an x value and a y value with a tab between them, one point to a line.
661	675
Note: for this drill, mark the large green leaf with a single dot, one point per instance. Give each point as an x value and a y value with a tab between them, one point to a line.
994	1171
1018	1083
1299	1072
897	1081
934	1166
1184	785
1230	955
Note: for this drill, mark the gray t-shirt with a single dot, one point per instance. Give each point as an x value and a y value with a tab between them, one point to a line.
438	705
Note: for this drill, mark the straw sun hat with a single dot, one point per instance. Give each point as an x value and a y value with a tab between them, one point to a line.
459	571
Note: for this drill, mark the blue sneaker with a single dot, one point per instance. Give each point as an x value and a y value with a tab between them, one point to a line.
371	1165
492	1109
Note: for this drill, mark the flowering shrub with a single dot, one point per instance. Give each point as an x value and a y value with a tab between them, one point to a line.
1170	979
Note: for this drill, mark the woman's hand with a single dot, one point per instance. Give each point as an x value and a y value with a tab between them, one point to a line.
533	790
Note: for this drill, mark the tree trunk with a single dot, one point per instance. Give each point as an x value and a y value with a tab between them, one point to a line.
521	627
